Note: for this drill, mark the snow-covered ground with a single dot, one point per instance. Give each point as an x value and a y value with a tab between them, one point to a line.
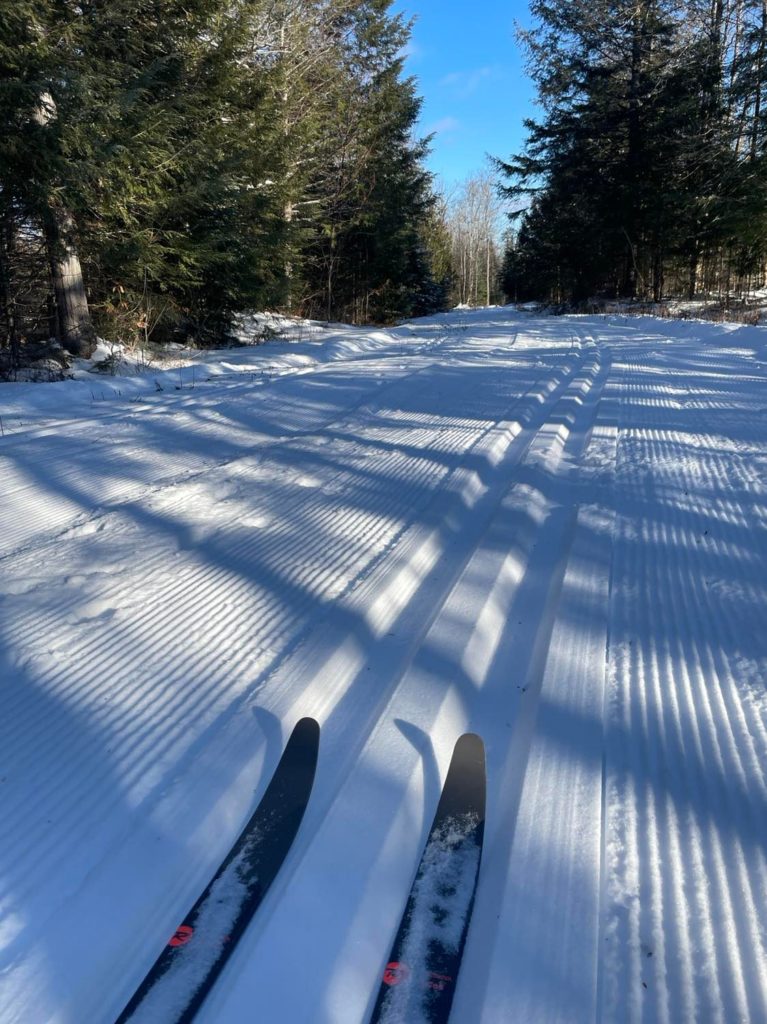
548	531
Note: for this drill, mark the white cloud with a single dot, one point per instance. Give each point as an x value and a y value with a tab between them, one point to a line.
466	83
411	51
444	126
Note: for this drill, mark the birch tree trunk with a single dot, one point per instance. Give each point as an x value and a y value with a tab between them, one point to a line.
472	224
757	88
487	269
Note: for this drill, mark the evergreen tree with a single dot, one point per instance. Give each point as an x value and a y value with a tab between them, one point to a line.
370	195
168	146
176	163
31	84
634	170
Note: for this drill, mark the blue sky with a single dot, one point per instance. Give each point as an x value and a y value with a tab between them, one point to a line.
470	74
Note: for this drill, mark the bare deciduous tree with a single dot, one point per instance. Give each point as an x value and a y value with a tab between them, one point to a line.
474	229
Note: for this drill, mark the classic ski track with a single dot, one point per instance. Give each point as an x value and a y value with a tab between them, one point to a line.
328	684
691	786
527	838
26	743
464	557
536	956
561	438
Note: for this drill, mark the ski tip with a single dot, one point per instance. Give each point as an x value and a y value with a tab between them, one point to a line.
464	787
470	745
308	728
304	740
308	723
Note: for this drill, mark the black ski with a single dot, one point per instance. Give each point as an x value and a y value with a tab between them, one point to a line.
186	970
419	979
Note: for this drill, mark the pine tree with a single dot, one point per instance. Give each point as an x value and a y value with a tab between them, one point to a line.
33	79
370	195
633	172
197	158
168	146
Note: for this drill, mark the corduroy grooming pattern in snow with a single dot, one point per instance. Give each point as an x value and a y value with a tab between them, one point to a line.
550	532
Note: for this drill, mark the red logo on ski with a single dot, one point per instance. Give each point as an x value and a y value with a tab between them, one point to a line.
396	973
183	934
438	982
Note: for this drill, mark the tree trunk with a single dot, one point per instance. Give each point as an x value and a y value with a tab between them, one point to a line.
7	306
329	279
759	65
74	320
657	275
634	147
692	276
488	270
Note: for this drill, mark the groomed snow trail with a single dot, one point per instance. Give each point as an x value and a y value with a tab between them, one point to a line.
547	531
686	875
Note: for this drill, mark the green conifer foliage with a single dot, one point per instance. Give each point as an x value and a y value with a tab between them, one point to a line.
193	160
635	173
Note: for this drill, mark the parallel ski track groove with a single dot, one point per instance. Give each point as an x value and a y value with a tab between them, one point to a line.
520	444
556	441
83	809
560	456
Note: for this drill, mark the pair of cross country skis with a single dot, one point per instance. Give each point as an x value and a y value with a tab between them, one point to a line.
418	983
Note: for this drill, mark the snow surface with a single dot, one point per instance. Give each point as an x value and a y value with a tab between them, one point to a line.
548	531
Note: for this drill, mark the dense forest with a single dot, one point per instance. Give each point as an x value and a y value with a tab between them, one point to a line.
165	164
645	174
168	164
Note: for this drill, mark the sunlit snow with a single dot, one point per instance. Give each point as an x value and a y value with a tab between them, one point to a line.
549	531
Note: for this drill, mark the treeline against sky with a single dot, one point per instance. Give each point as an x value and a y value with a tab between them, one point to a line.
165	164
645	174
